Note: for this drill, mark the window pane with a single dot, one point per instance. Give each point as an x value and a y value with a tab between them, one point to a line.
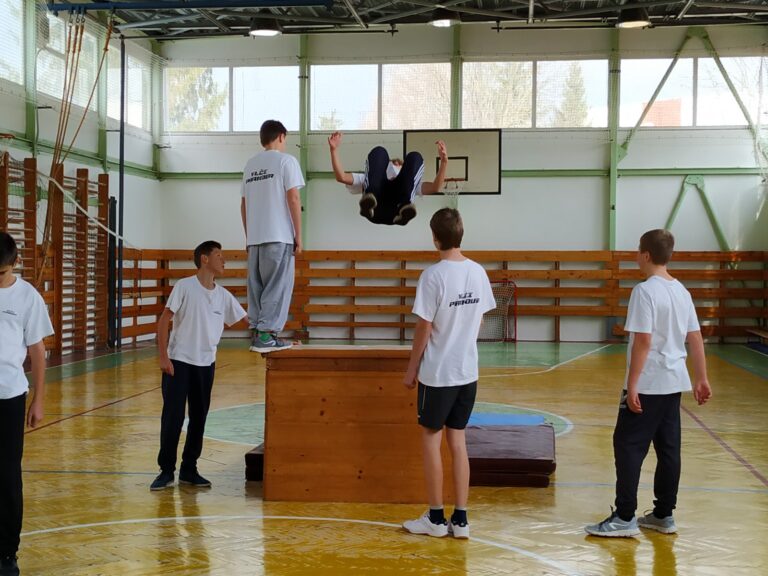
345	97
716	104
113	82
496	95
415	96
572	94
139	93
197	99
11	40
639	80
263	93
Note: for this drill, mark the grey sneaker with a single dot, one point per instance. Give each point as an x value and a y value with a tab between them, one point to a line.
423	525
367	205
265	342
164	480
663	525
405	215
614	527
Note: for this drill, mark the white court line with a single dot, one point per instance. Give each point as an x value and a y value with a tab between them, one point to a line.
508	547
579	357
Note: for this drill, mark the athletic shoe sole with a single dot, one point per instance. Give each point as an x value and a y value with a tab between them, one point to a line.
427	533
407	213
614	533
163	487
662	529
188	483
266	350
367	205
459	532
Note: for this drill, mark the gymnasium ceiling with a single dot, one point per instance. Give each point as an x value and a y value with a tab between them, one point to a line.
176	19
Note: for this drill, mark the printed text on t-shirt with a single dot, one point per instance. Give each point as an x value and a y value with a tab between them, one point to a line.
464	298
258	176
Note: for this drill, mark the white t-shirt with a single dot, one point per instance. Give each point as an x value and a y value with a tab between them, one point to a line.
664	309
199	316
453	295
23	322
266	179
358	181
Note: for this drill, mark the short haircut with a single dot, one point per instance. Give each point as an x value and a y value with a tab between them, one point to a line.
9	253
205	249
448	228
659	244
271	131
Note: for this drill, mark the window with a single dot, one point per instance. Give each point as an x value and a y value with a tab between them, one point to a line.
716	105
12	40
674	104
197	99
259	94
138	84
415	96
497	95
51	61
345	97
572	94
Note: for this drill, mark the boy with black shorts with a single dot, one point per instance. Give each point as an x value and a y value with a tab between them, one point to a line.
24	323
389	186
199	309
451	298
660	319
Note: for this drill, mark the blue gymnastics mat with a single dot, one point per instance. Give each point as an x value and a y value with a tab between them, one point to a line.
485	419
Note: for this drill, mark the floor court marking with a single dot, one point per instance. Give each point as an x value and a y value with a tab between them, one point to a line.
508	547
550	369
727	447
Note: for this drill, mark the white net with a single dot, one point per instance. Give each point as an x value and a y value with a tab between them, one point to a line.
500	324
451	190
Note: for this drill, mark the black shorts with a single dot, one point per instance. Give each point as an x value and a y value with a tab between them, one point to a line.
449	406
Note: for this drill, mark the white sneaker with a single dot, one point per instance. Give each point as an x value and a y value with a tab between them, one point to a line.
459	530
423	525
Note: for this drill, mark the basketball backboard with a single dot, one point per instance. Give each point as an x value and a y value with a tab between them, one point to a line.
474	156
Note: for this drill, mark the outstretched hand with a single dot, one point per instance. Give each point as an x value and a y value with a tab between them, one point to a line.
442	151
334	140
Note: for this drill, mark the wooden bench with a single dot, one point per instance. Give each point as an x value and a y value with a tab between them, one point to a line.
760	334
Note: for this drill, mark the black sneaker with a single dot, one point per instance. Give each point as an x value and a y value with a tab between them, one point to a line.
367	205
8	566
406	214
194	479
164	480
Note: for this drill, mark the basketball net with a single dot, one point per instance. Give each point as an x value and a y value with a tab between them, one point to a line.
451	190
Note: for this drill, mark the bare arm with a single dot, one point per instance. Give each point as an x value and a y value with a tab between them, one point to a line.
334	141
243	216
163	325
640	348
701	388
420	339
437	185
294	206
37	355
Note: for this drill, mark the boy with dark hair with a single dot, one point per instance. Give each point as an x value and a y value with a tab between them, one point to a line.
271	211
660	318
451	298
388	187
24	323
199	309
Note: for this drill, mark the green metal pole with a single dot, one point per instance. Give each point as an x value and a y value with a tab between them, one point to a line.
304	123
678	203
456	76
614	85
30	66
721	239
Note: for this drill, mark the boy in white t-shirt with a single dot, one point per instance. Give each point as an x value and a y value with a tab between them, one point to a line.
199	309
271	213
389	186
660	318
451	298
24	323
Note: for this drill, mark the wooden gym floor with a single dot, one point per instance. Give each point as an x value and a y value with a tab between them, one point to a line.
89	511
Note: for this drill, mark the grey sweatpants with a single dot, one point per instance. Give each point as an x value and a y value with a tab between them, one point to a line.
270	285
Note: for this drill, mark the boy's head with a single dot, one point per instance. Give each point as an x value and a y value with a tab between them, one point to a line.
208	255
272	130
447	228
9	256
656	246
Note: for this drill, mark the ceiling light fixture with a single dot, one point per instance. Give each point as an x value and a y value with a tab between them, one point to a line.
265	29
442	18
633	18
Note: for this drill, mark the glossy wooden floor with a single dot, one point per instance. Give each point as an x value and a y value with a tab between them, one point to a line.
89	510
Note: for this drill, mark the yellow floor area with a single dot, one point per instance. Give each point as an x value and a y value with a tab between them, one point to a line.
88	509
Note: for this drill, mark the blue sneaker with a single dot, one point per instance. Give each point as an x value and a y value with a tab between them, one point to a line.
614	527
664	525
266	342
164	480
